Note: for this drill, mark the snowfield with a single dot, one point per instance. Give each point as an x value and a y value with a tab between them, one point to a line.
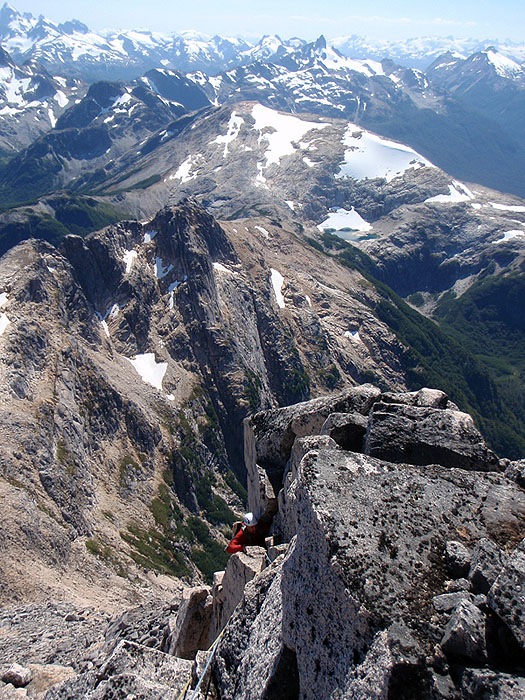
344	219
150	371
369	156
287	130
510	235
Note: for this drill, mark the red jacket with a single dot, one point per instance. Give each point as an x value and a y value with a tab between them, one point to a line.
244	539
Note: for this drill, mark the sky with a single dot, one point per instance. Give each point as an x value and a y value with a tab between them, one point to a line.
379	19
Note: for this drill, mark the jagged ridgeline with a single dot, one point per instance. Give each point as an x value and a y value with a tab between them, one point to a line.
131	358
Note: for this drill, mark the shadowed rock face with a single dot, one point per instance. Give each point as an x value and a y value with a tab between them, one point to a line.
371	599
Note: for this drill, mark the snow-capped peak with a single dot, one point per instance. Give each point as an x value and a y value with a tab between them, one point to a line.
503	65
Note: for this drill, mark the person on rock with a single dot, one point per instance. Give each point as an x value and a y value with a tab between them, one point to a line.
249	533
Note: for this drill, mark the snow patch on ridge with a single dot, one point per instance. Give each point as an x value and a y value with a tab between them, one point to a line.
150	371
457	193
354	335
504	66
4	321
344	219
287	131
219	267
509	235
370	156
277	283
263	231
129	258
234	126
507	207
184	170
171	289
160	270
149	236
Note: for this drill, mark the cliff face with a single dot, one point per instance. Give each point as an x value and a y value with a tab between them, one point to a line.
398	579
129	360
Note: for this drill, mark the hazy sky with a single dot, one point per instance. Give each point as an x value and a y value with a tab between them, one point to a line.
381	19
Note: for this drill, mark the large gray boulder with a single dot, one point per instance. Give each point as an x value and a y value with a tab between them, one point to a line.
229	588
487	562
148	664
360	580
269	437
252	660
190	628
285	522
425	435
458	558
464	636
507	594
516	472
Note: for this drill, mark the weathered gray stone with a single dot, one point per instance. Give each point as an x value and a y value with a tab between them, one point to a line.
148	664
485	683
285	522
347	429
464	636
17	675
458	559
242	567
252	661
370	547
449	601
129	685
423	435
276	551
516	472
487	562
507	594
190	629
432	398
269	436
274	431
459	584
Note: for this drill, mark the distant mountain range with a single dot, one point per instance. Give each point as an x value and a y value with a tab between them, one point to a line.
72	48
71	130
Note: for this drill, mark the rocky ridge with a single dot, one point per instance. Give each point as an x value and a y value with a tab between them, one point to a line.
130	359
393	581
397	575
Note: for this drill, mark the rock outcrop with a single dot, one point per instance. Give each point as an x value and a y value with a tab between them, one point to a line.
384	579
399	577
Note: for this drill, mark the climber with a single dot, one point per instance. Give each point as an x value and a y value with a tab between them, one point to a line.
249	533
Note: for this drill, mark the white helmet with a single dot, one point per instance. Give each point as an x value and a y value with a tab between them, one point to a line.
249	519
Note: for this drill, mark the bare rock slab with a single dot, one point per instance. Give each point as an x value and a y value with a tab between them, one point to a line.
17	675
465	634
507	594
242	568
148	664
487	562
370	553
423	435
190	629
